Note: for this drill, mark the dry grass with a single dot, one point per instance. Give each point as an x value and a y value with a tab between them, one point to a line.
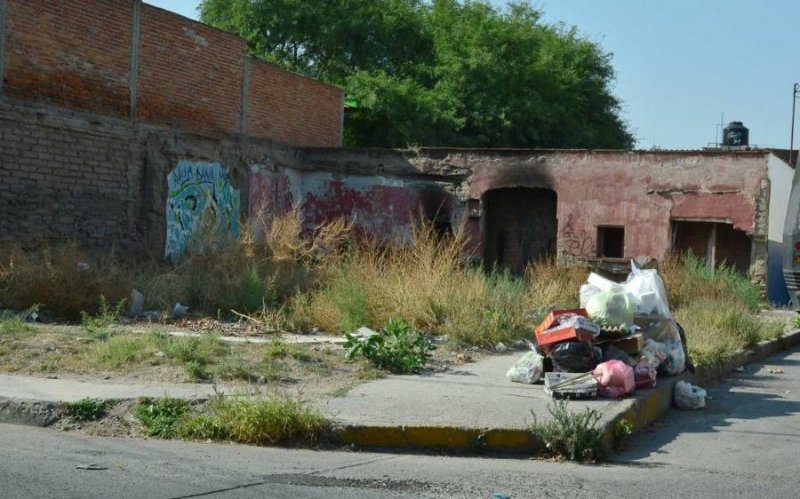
63	279
717	308
258	270
428	284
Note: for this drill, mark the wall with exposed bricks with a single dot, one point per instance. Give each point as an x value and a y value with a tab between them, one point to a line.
71	53
127	59
190	75
312	110
64	179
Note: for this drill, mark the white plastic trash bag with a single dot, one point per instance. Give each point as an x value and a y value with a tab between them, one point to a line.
528	369
648	292
689	397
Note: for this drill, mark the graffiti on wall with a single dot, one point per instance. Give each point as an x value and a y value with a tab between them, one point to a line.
578	244
200	202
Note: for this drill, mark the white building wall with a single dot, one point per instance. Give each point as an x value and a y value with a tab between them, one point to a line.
780	177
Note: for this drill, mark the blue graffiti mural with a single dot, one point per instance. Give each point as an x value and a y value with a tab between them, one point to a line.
200	201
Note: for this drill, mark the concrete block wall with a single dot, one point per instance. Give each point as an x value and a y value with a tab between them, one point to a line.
65	179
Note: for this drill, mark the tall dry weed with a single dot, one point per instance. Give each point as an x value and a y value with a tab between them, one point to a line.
427	283
259	269
61	278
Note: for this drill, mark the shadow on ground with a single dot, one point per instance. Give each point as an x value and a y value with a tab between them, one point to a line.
753	394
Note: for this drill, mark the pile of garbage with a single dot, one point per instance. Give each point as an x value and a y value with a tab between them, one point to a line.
621	339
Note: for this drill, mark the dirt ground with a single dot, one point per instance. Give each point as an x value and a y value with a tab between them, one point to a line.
146	353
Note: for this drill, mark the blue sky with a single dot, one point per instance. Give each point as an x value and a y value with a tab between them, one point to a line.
681	63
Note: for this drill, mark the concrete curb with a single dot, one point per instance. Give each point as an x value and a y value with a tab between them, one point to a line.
29	412
445	439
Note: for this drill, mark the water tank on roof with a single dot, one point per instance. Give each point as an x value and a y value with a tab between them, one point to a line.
735	134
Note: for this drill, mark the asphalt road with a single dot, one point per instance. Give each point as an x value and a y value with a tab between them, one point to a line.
745	444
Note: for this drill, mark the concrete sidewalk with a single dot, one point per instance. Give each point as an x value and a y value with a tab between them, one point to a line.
471	409
475	395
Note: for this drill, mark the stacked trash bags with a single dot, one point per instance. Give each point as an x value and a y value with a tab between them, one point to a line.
621	339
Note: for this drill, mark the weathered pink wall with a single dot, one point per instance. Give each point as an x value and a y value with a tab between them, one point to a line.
383	191
641	191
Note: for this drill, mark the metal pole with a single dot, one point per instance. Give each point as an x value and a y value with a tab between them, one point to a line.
795	88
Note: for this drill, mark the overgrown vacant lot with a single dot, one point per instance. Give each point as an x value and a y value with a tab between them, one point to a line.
330	280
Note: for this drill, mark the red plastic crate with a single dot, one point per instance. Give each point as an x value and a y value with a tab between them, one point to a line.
548	321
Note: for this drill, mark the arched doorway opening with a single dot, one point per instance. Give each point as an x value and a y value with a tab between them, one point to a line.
521	226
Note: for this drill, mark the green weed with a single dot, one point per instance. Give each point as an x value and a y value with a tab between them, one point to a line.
279	350
716	330
396	348
263	422
86	409
120	351
13	324
160	416
98	325
571	435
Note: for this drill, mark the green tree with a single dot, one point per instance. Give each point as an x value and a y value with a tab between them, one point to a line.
440	73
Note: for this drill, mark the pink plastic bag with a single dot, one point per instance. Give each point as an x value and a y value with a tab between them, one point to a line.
614	379
644	375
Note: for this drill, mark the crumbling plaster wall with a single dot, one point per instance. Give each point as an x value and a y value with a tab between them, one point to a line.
642	191
382	192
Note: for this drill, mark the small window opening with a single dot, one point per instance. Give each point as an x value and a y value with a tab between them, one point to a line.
611	242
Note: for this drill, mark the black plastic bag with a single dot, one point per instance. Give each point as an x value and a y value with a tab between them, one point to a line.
575	357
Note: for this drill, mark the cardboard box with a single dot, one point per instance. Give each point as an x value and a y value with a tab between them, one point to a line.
631	345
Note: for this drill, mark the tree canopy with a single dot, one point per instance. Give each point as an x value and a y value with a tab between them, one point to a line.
440	72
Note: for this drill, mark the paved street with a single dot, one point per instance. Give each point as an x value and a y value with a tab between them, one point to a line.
743	445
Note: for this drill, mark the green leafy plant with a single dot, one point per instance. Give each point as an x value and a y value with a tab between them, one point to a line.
796	322
160	416
396	348
571	435
98	325
86	409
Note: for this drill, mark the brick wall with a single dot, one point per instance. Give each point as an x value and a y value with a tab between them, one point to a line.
190	75
71	53
80	54
292	108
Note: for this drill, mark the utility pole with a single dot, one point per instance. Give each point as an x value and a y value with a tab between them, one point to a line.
795	90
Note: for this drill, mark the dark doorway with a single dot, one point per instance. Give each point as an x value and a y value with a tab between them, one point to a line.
521	226
714	242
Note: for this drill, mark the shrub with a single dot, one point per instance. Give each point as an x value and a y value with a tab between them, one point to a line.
396	348
571	435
